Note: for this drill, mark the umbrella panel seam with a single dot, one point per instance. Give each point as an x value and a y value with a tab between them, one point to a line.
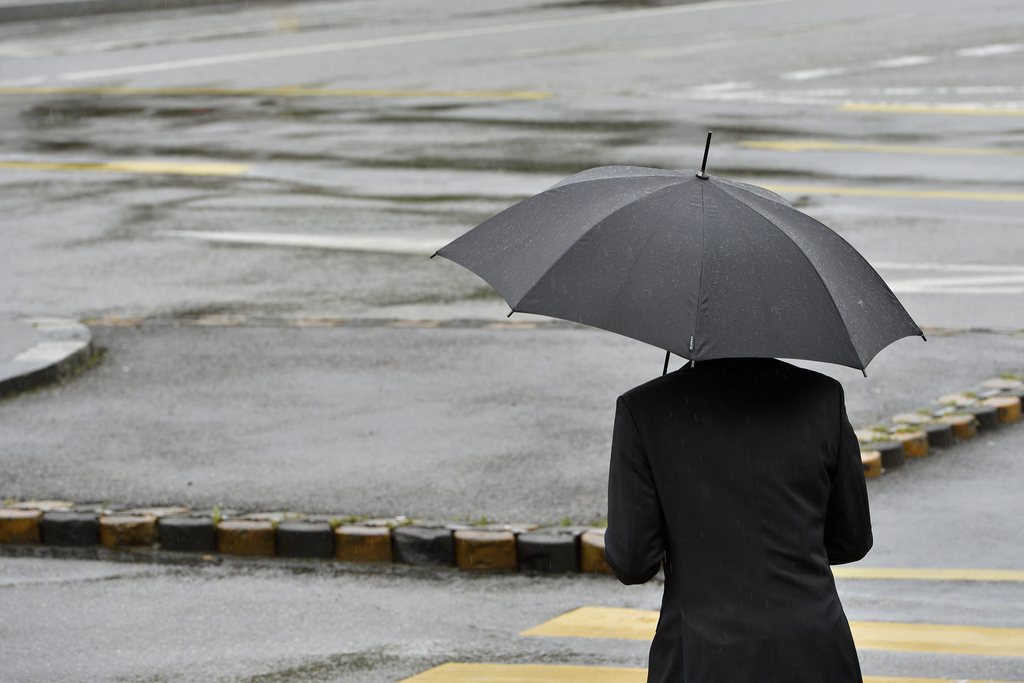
694	337
556	261
821	280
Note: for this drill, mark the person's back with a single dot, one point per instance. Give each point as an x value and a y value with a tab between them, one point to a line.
745	475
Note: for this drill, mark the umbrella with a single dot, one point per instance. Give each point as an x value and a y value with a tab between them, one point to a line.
698	265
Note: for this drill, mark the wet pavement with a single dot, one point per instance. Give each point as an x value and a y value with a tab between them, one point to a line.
207	620
129	144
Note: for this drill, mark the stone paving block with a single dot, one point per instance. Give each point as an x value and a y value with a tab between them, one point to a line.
872	462
188	534
485	550
127	531
362	543
245	537
546	551
911	418
963	426
433	546
892	452
20	526
69	529
1007	408
940	434
158	512
987	416
592	553
305	539
915	443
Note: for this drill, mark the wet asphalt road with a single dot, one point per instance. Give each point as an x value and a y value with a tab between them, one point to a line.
486	103
896	124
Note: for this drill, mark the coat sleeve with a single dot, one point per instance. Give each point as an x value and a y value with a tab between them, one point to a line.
848	520
635	538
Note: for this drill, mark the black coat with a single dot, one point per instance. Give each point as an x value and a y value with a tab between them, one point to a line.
744	476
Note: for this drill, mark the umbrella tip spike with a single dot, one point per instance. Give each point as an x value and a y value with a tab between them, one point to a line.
924	338
704	164
510	313
864	372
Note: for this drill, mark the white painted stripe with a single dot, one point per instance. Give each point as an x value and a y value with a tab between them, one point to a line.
952	267
19	82
945	282
721	87
990	50
50	351
966	291
899	62
409	39
811	74
383	244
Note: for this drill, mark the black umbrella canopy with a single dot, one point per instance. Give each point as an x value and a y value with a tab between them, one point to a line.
697	265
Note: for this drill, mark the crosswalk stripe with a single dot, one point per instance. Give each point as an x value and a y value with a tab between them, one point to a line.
550	673
939	109
527	673
631	624
903	574
877	148
146	167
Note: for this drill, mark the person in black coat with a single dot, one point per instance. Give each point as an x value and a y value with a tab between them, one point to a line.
743	478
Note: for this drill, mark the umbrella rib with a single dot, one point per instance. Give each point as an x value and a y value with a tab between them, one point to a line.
821	280
590	229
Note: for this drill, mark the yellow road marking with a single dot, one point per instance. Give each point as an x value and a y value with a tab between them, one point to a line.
945	109
599	622
827	146
962	195
151	167
284	91
985	641
527	673
885	573
630	624
536	673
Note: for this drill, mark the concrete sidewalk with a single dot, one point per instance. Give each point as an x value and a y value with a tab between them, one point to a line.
33	10
36	351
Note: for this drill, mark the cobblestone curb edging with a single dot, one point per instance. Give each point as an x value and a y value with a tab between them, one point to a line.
60	347
471	548
950	420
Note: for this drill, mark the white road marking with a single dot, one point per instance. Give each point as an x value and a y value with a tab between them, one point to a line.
19	82
724	86
811	74
1006	279
952	267
407	39
900	62
382	244
990	50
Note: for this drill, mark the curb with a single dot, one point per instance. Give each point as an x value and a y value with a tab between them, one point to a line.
41	351
496	547
470	548
68	9
954	418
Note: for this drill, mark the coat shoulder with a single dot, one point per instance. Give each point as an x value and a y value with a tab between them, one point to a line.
732	371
